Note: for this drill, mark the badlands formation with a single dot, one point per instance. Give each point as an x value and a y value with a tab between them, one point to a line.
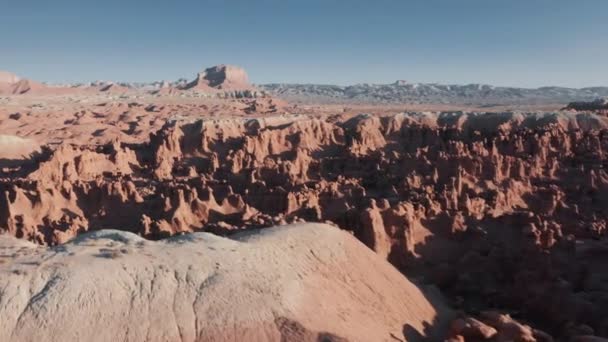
497	219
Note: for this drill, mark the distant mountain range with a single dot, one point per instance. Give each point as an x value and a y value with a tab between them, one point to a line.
229	78
415	93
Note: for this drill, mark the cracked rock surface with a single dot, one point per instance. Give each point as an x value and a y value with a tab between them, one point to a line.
307	282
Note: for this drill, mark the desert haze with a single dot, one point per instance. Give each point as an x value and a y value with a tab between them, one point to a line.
214	209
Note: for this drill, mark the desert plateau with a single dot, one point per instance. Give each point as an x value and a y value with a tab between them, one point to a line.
303	191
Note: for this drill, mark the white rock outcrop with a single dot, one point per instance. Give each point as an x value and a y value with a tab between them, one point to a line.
307	282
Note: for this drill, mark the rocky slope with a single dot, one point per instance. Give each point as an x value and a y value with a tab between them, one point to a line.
403	92
500	211
293	283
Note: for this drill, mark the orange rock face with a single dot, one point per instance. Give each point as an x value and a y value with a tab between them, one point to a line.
503	210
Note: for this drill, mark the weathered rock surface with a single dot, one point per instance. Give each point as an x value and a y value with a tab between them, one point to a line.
305	282
495	327
499	210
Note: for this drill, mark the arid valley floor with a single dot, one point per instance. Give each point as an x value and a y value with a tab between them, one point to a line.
218	210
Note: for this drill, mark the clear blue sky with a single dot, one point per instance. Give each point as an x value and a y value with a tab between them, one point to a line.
503	42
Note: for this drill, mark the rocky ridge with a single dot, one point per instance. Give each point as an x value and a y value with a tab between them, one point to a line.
597	105
423	93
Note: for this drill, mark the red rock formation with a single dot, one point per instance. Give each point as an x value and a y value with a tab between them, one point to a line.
11	84
221	77
113	88
497	327
504	210
264	105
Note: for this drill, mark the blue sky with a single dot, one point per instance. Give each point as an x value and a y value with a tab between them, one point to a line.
502	42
